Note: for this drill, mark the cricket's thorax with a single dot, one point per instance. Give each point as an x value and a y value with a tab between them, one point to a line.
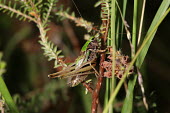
88	56
77	72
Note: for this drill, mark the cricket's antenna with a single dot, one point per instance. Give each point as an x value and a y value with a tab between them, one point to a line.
77	8
78	12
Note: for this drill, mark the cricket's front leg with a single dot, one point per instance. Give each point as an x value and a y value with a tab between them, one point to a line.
100	50
103	51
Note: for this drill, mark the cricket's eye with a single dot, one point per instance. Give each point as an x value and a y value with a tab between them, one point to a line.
120	76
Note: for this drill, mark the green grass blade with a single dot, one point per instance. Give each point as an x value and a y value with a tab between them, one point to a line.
122	25
106	95
8	99
114	94
135	21
4	90
128	103
164	6
113	31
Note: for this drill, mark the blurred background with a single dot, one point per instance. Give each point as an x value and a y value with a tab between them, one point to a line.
27	68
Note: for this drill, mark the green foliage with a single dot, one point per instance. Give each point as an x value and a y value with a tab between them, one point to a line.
32	11
105	13
64	14
105	10
4	90
11	9
128	104
2	65
50	50
2	103
2	70
163	10
35	101
39	12
48	7
9	4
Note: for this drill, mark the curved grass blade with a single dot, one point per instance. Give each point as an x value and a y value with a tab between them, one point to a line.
163	7
114	94
128	103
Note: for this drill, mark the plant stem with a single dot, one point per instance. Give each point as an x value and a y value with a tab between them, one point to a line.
104	30
95	95
113	44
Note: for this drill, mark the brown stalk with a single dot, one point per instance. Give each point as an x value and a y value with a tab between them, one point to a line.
96	91
95	96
